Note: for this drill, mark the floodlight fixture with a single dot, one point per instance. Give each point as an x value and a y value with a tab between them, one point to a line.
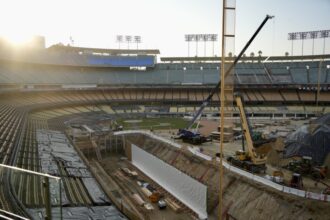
119	38
308	35
213	37
128	38
137	39
188	37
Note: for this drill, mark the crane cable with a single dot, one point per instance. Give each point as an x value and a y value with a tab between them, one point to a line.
273	37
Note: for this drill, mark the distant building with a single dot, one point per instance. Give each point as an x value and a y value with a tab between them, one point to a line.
38	42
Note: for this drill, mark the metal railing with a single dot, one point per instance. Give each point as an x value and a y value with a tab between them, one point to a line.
51	188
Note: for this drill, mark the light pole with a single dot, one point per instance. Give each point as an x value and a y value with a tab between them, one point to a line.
119	39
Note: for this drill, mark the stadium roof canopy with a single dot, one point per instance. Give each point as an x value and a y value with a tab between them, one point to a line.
247	58
59	48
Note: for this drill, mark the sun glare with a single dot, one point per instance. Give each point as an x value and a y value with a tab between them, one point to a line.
17	39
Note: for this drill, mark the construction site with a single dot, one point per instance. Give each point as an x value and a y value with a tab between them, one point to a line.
121	161
93	133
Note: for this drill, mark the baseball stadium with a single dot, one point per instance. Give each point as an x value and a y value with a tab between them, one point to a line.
98	133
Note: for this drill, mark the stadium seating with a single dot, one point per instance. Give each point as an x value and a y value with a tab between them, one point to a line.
163	74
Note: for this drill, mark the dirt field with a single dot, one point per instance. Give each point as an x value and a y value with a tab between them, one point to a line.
207	126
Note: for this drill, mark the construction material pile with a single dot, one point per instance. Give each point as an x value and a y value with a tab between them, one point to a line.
311	140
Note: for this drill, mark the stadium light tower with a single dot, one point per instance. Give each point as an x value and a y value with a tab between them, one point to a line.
205	38
188	38
128	39
308	35
325	34
137	40
71	41
214	38
201	37
313	36
119	39
197	38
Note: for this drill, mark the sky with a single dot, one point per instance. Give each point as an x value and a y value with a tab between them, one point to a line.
162	24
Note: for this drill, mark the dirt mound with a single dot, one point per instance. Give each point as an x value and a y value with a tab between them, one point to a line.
273	158
277	145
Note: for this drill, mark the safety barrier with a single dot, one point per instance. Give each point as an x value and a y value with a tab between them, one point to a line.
256	178
147	133
279	187
196	152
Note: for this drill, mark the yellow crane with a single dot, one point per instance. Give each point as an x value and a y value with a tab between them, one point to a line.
248	159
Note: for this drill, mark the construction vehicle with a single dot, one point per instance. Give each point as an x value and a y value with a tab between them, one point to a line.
249	160
116	127
195	137
306	167
192	137
278	176
153	195
296	181
162	204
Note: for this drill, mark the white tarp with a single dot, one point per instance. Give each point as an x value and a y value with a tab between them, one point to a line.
186	189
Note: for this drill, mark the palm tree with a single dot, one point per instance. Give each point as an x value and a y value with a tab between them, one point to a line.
260	54
244	58
252	56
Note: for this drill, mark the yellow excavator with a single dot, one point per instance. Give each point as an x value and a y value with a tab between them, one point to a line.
249	159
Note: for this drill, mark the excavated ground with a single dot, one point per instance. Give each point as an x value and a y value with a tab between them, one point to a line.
243	199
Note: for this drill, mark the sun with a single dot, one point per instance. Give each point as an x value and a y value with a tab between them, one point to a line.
17	39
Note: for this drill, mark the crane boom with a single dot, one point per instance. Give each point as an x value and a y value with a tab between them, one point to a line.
215	89
246	128
250	160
